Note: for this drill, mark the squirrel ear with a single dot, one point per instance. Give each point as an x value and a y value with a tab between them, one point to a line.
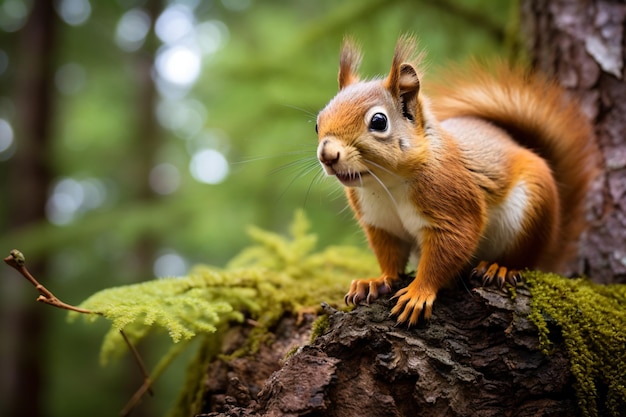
408	87
403	81
349	61
408	79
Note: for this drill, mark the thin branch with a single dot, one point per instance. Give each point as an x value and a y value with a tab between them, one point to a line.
147	382
132	403
159	368
17	261
140	364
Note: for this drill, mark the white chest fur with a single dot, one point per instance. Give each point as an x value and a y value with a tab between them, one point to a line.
505	223
392	210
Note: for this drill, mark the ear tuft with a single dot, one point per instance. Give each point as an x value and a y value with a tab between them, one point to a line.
403	81
349	62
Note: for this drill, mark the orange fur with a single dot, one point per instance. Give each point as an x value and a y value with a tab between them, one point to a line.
539	115
495	169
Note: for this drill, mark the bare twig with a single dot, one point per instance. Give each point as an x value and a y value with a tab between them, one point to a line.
17	261
140	364
132	403
147	381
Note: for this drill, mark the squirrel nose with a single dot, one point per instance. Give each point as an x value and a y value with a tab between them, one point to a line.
328	152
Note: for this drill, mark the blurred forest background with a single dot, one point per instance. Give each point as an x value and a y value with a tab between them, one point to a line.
140	137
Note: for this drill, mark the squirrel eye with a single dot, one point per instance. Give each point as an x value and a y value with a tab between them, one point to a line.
378	122
316	128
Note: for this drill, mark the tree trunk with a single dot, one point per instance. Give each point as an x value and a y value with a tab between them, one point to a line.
479	353
22	363
582	44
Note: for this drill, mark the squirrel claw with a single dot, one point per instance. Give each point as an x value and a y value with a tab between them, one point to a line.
480	270
494	273
367	290
514	277
412	303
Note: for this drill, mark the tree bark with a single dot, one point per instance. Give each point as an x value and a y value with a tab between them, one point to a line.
583	46
478	354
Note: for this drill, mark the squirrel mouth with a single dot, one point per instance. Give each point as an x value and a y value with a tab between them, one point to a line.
350	178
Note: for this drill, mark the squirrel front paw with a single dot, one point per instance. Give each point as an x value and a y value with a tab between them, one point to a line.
412	301
490	273
368	289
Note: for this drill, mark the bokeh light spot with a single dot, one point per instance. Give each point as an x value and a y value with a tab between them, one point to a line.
179	65
209	166
132	30
169	264
174	23
164	178
6	136
74	12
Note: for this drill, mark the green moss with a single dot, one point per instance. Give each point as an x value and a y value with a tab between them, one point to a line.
190	398
291	352
276	275
592	321
319	327
512	292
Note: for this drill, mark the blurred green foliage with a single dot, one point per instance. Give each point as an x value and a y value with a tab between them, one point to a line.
255	102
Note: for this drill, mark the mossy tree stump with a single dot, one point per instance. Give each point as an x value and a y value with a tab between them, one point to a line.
478	355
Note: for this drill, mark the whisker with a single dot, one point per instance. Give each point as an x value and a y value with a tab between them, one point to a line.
305	162
317	179
345	209
336	193
308	167
367	161
266	157
382	184
305	111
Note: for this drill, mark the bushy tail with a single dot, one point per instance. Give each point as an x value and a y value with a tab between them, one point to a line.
538	115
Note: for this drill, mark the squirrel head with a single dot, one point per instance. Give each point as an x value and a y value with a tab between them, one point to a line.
372	128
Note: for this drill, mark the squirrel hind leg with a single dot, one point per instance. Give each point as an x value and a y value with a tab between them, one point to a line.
492	273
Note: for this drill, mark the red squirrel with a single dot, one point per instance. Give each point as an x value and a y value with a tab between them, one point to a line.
492	172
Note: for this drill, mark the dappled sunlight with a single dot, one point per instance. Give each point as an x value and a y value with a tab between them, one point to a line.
164	178
179	65
209	166
70	198
6	140
132	29
170	264
13	14
74	12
